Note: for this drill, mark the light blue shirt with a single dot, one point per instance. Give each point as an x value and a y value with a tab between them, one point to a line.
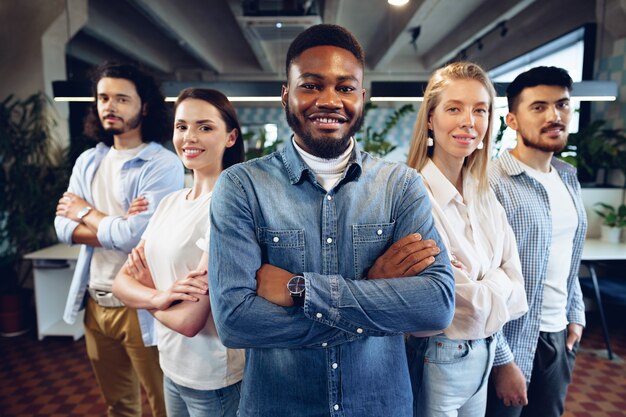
342	354
153	173
528	210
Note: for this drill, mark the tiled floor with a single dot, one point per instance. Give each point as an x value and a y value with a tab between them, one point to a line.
53	377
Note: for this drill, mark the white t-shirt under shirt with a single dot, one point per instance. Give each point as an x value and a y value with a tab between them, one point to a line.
564	223
201	362
106	263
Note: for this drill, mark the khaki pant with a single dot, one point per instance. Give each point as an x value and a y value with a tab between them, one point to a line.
121	361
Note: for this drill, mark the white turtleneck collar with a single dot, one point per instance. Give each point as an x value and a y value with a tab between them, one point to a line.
327	171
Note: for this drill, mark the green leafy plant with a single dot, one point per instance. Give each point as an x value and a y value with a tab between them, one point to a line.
33	175
612	217
256	142
375	142
594	148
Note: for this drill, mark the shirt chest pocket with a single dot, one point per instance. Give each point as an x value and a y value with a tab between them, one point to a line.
369	242
283	248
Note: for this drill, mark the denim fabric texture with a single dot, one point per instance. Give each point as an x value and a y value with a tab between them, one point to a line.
343	353
450	376
528	209
181	401
154	173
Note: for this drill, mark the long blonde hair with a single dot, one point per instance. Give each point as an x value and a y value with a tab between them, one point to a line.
419	151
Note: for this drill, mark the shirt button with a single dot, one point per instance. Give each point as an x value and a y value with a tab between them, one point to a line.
276	239
359	330
318	315
329	240
335	366
336	407
324	344
328	198
379	232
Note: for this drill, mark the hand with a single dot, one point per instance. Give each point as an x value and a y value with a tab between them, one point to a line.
137	266
271	284
69	205
407	257
574	334
137	206
510	384
458	264
182	290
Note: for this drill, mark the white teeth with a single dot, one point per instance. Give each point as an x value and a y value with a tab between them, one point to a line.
327	120
192	151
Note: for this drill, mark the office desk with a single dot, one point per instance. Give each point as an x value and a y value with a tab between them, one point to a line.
596	250
53	269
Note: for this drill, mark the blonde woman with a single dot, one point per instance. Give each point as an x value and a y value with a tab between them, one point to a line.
166	273
450	147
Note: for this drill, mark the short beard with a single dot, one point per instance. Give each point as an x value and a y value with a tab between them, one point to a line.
322	147
130	125
543	146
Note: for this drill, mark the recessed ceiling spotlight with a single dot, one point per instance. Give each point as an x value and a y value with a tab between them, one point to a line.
397	2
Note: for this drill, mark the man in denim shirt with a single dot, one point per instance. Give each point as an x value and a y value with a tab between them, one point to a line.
97	211
297	238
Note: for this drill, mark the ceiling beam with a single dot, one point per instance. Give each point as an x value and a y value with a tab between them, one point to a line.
120	26
389	38
331	11
181	25
482	20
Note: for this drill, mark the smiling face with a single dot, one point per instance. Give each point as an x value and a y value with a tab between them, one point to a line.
324	100
460	120
119	106
541	118
200	135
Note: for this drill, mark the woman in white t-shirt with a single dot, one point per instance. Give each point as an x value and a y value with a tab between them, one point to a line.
166	272
451	143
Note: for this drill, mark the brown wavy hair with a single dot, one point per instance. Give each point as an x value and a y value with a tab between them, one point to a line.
156	125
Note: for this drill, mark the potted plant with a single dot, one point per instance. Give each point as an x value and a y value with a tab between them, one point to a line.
375	142
614	220
33	174
595	150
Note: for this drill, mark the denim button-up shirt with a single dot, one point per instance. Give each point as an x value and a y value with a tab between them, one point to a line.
528	210
153	173
343	353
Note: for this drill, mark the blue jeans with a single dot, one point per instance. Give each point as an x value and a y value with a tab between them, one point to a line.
449	377
181	401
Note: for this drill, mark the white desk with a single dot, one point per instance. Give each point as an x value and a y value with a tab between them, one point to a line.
599	250
596	250
52	284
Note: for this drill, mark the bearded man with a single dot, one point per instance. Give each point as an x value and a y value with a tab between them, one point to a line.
113	191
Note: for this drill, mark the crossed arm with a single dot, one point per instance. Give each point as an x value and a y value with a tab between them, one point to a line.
183	307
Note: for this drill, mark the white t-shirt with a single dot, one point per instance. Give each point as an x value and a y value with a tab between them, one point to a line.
564	224
490	290
106	263
174	244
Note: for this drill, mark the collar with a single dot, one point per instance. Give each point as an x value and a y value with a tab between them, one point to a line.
513	167
296	167
146	154
441	188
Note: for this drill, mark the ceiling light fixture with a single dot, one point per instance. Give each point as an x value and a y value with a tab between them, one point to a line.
397	2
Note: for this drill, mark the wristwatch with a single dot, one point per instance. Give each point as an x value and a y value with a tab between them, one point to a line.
296	288
83	212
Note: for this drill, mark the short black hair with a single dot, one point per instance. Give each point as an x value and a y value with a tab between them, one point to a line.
324	35
235	154
156	125
532	78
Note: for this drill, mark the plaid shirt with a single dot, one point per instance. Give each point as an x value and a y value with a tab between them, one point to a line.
527	207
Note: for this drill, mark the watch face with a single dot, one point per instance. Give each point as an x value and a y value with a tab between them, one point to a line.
296	285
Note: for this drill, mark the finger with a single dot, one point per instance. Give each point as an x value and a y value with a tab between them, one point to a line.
198	273
416	257
417	268
411	249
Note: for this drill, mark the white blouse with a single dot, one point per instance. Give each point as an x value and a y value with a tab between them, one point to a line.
490	287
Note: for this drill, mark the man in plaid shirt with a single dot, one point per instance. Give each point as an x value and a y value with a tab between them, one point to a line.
542	199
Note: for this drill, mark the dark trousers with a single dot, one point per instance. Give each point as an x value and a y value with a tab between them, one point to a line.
552	373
